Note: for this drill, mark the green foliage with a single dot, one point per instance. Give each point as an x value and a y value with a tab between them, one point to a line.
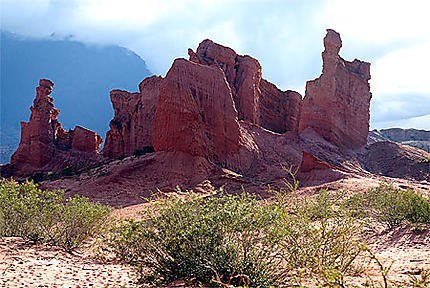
316	241
236	241
187	237
391	205
44	216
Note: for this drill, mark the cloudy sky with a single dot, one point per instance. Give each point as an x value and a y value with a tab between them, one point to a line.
284	35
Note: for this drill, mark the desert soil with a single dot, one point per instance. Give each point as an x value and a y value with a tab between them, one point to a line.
23	265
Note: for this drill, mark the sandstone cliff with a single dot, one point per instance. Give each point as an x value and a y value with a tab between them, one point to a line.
45	145
336	104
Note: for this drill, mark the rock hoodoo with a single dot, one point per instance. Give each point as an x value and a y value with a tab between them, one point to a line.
257	100
45	143
336	104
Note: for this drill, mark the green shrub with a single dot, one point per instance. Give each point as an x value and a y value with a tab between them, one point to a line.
317	241
392	205
44	216
186	237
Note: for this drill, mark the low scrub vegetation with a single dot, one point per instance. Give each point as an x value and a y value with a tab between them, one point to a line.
43	216
224	240
237	241
391	205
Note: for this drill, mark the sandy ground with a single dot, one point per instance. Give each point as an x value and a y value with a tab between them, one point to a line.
25	265
405	248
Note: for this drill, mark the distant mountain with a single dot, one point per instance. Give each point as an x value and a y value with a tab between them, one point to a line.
412	137
83	76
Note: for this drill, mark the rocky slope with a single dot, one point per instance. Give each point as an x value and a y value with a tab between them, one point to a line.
412	137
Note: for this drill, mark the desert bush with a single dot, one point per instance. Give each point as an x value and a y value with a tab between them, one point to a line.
317	241
236	240
391	205
188	237
44	216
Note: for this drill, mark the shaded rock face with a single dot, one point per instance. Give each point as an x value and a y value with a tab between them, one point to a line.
279	110
196	113
44	141
310	162
336	104
131	128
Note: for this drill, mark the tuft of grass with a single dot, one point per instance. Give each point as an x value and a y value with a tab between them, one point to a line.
44	216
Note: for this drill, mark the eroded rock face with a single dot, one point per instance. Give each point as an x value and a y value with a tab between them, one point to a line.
196	113
44	140
131	128
257	100
279	110
336	104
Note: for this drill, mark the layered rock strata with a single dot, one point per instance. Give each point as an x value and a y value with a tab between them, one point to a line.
257	100
196	113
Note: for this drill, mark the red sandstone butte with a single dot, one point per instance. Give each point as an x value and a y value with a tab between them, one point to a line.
336	105
44	142
131	127
196	113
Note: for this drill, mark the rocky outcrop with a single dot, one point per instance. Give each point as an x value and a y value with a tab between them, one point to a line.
336	104
45	143
256	100
310	162
196	113
243	74
412	137
131	128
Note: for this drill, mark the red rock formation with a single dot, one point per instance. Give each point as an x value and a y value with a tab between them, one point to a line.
336	105
279	110
44	141
243	74
196	114
85	140
256	100
131	128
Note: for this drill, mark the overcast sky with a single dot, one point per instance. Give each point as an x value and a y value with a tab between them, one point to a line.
284	35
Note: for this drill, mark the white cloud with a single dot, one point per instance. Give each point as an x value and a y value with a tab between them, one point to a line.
380	21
